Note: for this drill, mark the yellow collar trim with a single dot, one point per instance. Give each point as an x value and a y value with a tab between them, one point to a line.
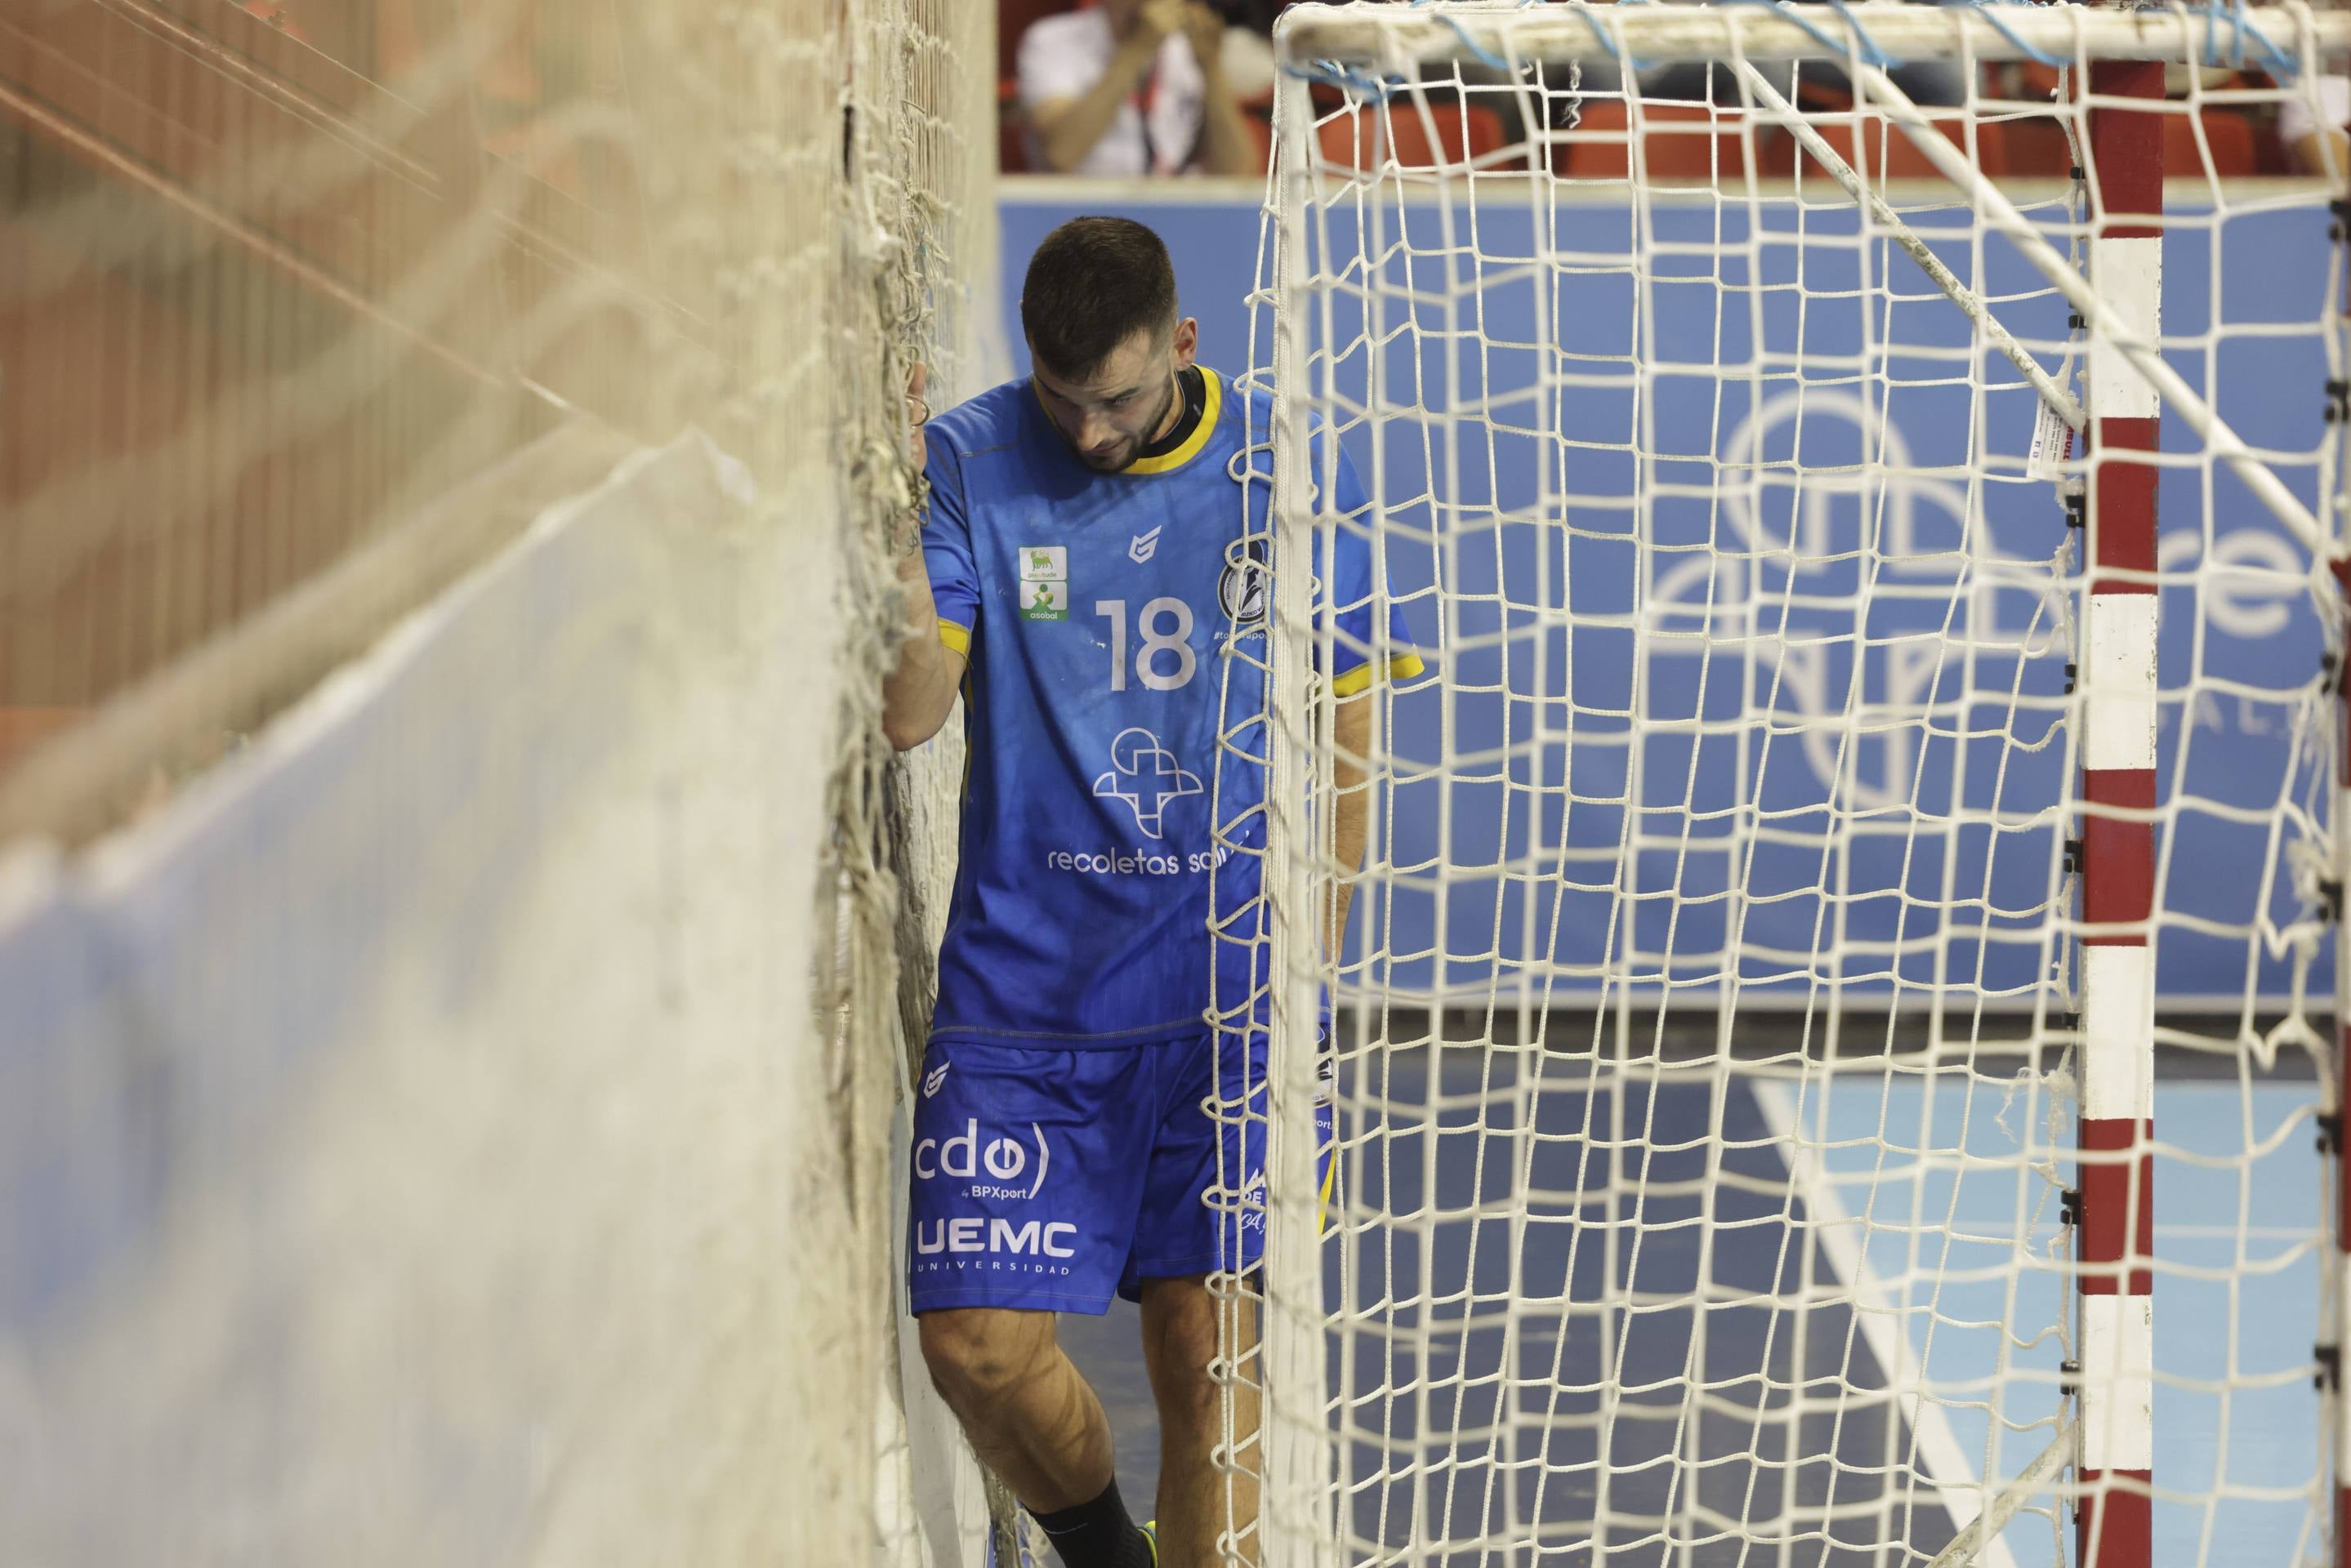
1193	443
1167	463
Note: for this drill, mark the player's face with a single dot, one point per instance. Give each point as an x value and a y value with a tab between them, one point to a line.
1129	401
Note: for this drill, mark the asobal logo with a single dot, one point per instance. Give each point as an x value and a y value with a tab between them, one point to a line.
964	1158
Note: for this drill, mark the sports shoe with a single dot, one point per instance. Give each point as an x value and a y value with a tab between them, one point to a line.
1151	1533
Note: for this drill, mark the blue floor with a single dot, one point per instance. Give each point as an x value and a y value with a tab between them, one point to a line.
1564	1425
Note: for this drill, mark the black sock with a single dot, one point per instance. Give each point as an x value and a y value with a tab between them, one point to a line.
1097	1534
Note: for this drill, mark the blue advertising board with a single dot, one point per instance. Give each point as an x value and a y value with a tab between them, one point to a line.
1754	633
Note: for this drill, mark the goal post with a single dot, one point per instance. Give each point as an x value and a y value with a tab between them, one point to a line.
1875	566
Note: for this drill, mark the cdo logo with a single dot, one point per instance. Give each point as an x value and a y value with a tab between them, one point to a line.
1003	1159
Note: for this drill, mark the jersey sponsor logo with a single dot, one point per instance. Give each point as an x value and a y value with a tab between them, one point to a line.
1146	776
1118	863
1142	546
973	1234
1241	590
966	1158
1044	601
1246	1210
1044	582
934	1079
969	1243
1253	1203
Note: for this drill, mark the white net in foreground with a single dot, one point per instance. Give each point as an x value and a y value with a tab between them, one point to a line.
451	1027
1861	841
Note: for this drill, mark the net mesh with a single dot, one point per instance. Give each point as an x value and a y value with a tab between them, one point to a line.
458	919
1708	1050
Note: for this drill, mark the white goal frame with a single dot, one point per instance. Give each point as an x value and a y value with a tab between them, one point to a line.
2120	304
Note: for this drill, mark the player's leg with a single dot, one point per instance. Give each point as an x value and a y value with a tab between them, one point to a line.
1029	1414
1032	1418
1024	1200
1183	1348
1202	1215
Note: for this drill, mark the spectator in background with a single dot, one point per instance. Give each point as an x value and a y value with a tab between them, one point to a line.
1249	48
2313	148
1132	88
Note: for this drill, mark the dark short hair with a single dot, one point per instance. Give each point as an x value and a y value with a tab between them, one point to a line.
1093	284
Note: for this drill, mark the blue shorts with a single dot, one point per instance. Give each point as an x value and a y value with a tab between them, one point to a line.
1047	1180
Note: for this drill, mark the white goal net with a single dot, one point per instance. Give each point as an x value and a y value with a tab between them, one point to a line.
1834	1025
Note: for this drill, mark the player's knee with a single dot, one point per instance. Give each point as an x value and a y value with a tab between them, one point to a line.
976	1354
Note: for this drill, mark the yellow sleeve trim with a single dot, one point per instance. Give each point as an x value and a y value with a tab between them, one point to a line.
1330	1152
1403	667
957	638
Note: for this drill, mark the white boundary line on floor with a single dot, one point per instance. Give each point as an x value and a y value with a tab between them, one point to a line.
1949	1465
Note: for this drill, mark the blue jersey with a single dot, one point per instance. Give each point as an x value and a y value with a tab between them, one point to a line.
1095	609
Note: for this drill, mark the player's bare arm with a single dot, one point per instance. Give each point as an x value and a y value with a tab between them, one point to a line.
1352	730
919	694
